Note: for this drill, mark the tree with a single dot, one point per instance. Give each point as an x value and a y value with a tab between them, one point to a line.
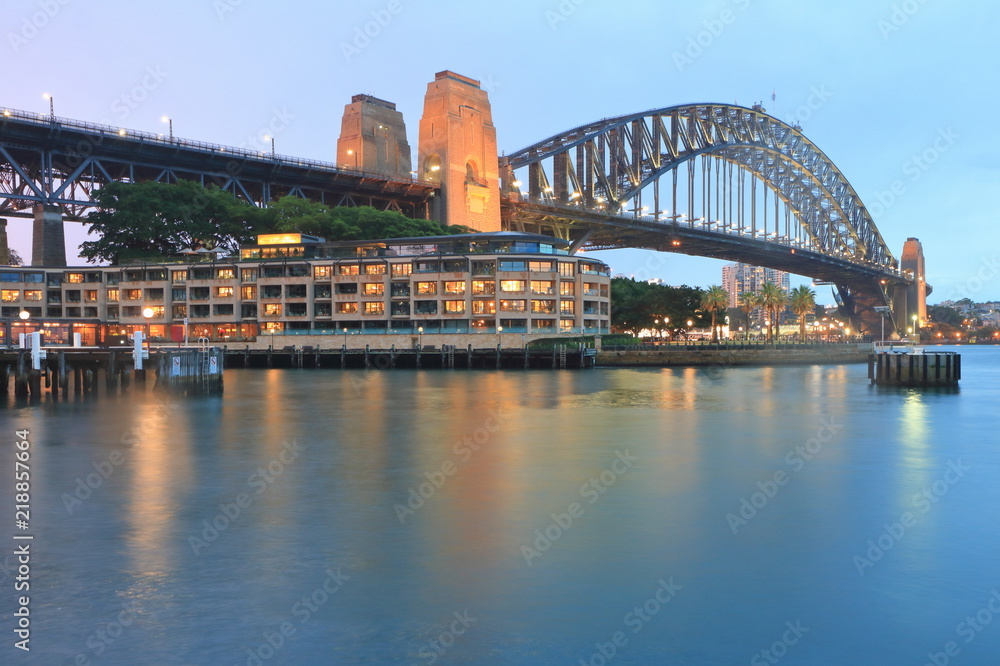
802	301
749	301
713	300
13	258
636	305
140	220
772	299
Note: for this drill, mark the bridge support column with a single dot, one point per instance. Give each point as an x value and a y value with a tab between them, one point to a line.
48	240
4	247
458	149
914	315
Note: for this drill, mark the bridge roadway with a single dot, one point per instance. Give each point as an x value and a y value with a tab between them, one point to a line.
60	162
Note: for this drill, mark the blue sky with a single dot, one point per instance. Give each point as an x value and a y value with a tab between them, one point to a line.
897	93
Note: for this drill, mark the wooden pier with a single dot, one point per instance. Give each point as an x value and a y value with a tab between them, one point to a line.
915	368
79	370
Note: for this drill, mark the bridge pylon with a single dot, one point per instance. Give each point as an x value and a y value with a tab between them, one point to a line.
458	149
48	238
911	312
373	138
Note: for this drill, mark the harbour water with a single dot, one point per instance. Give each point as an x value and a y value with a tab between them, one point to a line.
609	516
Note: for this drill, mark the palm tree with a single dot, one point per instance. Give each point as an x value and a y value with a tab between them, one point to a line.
749	301
802	301
773	299
714	299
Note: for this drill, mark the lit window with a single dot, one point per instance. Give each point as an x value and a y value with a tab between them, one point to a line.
248	274
322	272
567	307
484	307
566	269
374	269
541	287
425	288
178	277
272	309
543	307
512	286
540	266
248	293
347	308
513	305
454	287
32	294
225	273
348	269
90	295
454	307
565	325
10	295
223	292
374	289
133	294
74	278
567	289
401	270
112	295
483	287
374	307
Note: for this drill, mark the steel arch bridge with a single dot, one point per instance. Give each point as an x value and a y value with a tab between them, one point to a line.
715	180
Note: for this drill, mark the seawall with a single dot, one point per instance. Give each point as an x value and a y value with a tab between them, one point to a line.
681	356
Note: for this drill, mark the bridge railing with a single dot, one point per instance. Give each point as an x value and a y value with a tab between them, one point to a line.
190	144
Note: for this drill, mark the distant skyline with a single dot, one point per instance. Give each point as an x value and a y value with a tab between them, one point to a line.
892	92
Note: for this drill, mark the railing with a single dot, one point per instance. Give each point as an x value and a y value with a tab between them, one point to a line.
151	137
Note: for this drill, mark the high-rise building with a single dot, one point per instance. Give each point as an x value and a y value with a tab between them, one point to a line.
739	278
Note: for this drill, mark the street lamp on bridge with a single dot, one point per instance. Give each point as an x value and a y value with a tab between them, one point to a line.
52	106
170	122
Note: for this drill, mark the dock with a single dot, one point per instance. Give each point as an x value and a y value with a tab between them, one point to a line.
915	367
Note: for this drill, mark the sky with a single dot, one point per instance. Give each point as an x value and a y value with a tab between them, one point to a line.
897	93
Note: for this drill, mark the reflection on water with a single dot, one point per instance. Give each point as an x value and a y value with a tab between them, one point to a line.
423	490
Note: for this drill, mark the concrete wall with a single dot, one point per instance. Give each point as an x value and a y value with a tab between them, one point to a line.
848	353
406	341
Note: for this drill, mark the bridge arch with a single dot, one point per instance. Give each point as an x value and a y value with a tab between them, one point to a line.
609	165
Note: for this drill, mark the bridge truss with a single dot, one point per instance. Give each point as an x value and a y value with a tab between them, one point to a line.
710	180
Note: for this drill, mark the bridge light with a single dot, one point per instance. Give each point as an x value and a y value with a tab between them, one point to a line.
548	189
516	183
6	112
121	132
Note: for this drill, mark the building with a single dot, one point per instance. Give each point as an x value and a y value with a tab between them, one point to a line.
739	278
296	285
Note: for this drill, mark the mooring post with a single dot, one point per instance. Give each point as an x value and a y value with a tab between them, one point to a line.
21	375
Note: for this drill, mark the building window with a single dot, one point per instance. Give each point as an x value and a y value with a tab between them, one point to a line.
540	266
511	286
543	324
179	311
348	269
273	271
508	305
400	289
90	312
321	291
248	274
296	291
322	272
508	265
374	269
541	287
567	307
223	309
178	294
272	309
543	307
590	289
10	295
112	295
401	308
34	294
225	273
428	267
112	312
296	310
90	295
74	278
567	289
273	326
200	293
133	294
130	311
374	289
347	308
198	311
480	307
425	307
401	270
484	267
10	277
347	288
154	294
484	287
201	274
454	307
322	309
158	311
248	293
248	311
271	291
565	325
454	287
374	307
566	268
604	291
427	288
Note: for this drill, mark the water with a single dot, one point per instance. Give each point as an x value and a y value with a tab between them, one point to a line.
645	564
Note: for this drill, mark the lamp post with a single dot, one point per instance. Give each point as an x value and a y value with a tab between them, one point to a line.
266	137
350	151
345	337
52	105
500	337
883	310
148	314
916	329
170	122
420	337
